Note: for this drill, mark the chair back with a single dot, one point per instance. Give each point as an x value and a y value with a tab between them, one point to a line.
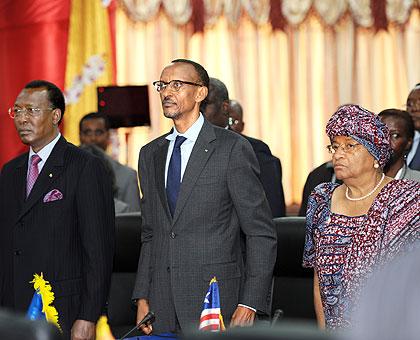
121	310
293	284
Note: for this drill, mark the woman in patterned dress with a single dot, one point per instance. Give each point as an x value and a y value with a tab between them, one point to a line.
364	222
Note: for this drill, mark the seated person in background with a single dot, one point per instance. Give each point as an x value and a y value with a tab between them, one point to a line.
413	108
401	129
365	222
120	206
94	129
322	174
216	109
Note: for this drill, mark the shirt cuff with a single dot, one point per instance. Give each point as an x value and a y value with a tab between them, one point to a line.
253	309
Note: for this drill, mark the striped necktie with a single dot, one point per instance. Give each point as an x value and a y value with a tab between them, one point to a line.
32	174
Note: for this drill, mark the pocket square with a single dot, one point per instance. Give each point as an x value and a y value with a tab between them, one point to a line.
53	195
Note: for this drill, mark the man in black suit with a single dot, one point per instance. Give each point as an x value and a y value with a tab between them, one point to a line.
216	109
56	217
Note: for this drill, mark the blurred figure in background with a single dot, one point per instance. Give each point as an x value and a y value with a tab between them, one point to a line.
401	129
235	119
94	129
217	110
366	221
120	206
413	108
390	305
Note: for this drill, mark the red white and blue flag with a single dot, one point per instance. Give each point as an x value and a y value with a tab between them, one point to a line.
211	317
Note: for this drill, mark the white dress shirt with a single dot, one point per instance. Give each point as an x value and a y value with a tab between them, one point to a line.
186	148
414	146
44	153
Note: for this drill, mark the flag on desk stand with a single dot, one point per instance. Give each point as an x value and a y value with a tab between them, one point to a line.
103	331
211	317
40	307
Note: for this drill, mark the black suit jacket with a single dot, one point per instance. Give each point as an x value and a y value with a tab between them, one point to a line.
270	176
71	241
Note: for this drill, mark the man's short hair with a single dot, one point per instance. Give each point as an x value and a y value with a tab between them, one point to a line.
95	115
55	96
201	71
220	90
404	116
218	93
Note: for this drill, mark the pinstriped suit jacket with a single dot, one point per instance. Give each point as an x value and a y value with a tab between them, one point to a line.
220	196
70	240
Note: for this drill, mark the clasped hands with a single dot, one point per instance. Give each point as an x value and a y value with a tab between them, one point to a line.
242	317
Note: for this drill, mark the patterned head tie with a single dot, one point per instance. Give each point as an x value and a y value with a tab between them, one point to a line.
364	127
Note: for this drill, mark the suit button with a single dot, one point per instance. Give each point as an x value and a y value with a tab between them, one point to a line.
18	252
168	269
172	234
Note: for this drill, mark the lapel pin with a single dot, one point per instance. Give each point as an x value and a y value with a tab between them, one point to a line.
206	150
50	175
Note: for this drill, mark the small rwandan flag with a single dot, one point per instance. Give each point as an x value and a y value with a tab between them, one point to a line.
211	317
40	308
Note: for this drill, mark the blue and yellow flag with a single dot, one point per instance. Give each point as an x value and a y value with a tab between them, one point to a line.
40	307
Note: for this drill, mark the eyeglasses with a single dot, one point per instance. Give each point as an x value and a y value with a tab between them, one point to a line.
347	148
90	133
16	112
174	85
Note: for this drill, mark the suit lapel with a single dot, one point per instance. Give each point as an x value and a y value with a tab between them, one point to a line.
51	170
160	162
19	180
202	150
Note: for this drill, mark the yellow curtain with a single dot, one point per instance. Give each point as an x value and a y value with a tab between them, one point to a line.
289	83
89	62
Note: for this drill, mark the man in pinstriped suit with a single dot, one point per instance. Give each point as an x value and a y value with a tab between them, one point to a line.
219	195
63	225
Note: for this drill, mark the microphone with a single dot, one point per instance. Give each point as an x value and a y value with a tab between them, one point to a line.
278	314
147	320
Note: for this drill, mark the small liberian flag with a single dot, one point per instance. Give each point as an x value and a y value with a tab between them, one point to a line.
211	317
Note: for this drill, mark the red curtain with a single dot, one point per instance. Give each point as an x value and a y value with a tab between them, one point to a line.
33	45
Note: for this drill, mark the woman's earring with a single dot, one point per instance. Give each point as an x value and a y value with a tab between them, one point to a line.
376	165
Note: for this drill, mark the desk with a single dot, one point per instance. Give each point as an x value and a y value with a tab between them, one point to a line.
163	336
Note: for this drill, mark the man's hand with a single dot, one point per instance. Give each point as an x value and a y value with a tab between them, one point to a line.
243	317
83	330
142	310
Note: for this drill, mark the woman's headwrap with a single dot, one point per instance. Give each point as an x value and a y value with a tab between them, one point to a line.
364	127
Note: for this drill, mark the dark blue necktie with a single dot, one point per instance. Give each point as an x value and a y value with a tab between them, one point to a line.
173	181
415	162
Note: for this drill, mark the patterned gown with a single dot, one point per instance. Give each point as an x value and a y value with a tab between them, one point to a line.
344	250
